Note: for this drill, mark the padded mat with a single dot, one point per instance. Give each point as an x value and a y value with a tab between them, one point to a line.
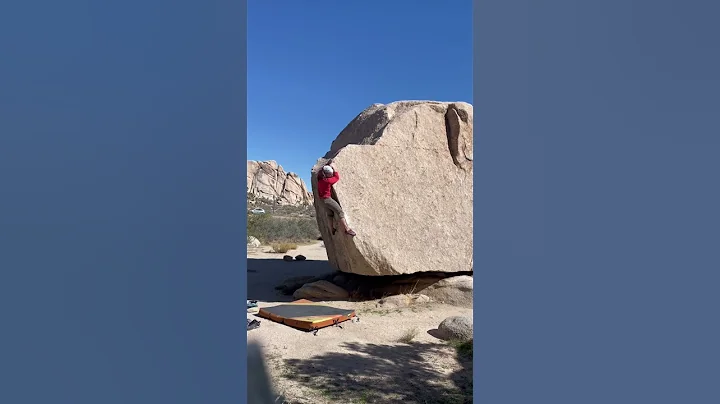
306	315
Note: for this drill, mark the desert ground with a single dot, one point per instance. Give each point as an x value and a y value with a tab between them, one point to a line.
389	356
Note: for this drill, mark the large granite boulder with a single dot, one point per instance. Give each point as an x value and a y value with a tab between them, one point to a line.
406	185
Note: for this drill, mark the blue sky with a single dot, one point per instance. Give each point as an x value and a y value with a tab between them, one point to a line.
312	68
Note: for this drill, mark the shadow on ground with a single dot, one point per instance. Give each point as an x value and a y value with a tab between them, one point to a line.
264	275
369	373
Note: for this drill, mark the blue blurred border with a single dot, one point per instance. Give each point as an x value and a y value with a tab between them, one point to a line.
122	227
597	202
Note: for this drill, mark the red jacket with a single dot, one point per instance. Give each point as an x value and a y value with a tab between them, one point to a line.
325	184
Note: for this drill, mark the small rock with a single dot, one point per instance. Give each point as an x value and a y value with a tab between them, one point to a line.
322	290
421	299
455	290
253	242
457	328
394	301
300	258
288	258
402	301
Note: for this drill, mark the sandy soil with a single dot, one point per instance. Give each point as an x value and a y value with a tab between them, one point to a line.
388	356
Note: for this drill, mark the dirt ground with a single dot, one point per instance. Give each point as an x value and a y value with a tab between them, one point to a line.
388	356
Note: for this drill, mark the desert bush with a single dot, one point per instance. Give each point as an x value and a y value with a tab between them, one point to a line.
463	347
409	336
269	229
283	247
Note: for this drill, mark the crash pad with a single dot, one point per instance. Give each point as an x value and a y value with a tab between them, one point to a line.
306	315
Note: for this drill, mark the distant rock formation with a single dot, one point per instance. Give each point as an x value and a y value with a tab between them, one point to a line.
268	181
406	186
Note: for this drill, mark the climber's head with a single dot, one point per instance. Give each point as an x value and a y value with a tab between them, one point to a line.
328	171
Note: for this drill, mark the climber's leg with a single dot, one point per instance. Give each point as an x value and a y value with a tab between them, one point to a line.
338	214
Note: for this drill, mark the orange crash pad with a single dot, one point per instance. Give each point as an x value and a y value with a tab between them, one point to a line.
306	315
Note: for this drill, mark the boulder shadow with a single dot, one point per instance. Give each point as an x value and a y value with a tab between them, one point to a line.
385	374
365	287
265	275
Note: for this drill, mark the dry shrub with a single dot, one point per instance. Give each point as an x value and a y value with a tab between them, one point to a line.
409	336
282	248
269	229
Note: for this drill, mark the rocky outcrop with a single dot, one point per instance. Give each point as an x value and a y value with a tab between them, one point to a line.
268	181
406	186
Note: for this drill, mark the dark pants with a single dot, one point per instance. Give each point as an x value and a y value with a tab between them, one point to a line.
332	204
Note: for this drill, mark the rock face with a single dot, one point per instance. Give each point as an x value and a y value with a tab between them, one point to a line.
406	186
267	180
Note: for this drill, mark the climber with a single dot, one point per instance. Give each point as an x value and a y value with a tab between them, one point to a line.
326	178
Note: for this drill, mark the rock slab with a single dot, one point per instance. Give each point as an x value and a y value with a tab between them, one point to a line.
406	186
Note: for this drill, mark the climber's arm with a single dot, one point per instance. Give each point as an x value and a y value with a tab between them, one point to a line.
335	178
